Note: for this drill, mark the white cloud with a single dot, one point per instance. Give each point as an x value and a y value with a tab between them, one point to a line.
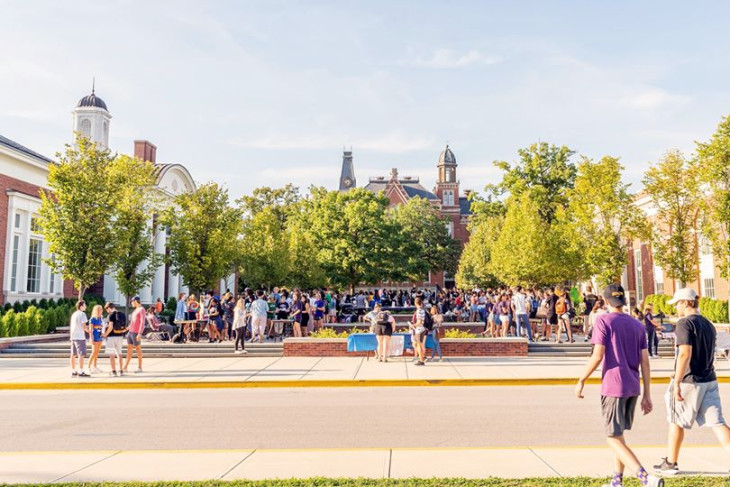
450	59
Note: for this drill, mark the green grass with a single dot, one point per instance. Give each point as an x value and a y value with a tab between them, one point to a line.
323	482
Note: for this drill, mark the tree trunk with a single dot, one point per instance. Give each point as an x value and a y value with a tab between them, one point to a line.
82	291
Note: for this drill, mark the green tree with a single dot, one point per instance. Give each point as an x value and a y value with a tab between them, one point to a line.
545	172
426	243
604	219
531	251
354	237
76	216
136	261
10	323
474	265
714	171
204	235
674	187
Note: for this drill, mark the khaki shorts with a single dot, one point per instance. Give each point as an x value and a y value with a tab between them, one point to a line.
258	325
114	346
701	404
618	414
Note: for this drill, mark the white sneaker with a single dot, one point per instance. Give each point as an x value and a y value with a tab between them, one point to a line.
97	370
654	481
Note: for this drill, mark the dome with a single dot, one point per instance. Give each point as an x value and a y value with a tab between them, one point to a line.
447	157
92	101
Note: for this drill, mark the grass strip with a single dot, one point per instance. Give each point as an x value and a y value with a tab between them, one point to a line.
450	482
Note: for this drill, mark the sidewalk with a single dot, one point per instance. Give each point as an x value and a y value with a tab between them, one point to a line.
370	463
239	371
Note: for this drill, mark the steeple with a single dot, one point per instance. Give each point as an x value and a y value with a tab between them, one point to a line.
347	177
447	166
91	118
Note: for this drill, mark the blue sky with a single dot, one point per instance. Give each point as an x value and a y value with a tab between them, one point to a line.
268	92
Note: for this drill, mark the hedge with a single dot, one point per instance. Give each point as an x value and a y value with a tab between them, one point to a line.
40	317
713	309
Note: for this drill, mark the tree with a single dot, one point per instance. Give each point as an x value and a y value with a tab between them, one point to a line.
604	218
529	250
674	188
714	171
204	235
136	261
474	264
354	237
266	258
427	245
77	214
545	172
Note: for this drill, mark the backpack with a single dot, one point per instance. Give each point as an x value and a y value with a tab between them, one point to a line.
382	318
428	321
120	321
561	306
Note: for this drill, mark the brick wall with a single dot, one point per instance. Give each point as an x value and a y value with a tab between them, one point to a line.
459	347
475	328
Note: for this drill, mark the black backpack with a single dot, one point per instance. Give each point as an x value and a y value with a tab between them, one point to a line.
120	320
428	321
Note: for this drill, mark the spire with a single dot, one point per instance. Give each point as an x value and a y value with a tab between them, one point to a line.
347	176
93	84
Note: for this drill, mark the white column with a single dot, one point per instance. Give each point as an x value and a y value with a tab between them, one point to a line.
173	284
146	294
158	283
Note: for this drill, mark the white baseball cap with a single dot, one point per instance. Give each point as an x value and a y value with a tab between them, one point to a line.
684	294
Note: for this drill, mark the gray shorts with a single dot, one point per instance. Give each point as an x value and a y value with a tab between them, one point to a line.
701	404
78	348
134	339
618	414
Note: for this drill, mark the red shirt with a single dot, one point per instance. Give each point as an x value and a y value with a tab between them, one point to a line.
138	320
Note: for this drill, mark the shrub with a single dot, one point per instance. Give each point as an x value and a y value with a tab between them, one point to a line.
22	324
171	305
3	329
35	326
328	333
43	303
17	307
454	333
9	323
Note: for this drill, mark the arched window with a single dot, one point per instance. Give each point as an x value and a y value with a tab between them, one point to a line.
85	127
106	132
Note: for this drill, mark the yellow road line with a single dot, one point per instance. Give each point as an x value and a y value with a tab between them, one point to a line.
88	385
345	449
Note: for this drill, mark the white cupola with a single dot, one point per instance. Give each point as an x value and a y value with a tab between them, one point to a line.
91	119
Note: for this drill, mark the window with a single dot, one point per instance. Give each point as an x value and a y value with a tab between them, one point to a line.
17	220
448	197
659	287
34	265
14	267
709	285
85	128
34	226
705	246
52	282
639	277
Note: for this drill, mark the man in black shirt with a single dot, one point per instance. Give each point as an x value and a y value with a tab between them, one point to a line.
589	300
693	393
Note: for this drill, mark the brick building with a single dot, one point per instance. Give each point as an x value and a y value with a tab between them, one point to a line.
643	277
454	207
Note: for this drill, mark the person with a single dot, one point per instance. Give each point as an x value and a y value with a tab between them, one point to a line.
438	320
96	329
598	309
134	336
589	300
551	316
78	330
259	311
521	313
215	320
652	329
384	325
155	324
422	320
503	313
319	311
239	326
180	308
115	332
192	316
297	307
564	309
693	394
159	306
228	305
306	314
620	349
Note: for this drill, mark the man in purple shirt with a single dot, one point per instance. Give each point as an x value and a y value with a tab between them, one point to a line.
620	348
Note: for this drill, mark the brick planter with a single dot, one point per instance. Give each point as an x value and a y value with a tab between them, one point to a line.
54	337
452	347
471	327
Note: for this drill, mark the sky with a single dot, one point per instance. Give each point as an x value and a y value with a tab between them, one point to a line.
265	93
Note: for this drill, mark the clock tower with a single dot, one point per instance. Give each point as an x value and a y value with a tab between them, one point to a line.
347	176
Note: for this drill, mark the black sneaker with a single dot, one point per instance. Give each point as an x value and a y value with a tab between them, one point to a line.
420	363
74	375
666	468
83	374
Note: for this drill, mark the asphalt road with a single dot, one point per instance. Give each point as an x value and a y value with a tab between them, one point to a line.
315	418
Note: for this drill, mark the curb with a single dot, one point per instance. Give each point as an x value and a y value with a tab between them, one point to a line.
85	385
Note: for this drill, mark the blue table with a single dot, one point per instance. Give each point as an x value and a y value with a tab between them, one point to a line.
367	342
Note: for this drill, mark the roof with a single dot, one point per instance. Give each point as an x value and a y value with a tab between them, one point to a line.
92	101
20	148
411	186
447	156
464	206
